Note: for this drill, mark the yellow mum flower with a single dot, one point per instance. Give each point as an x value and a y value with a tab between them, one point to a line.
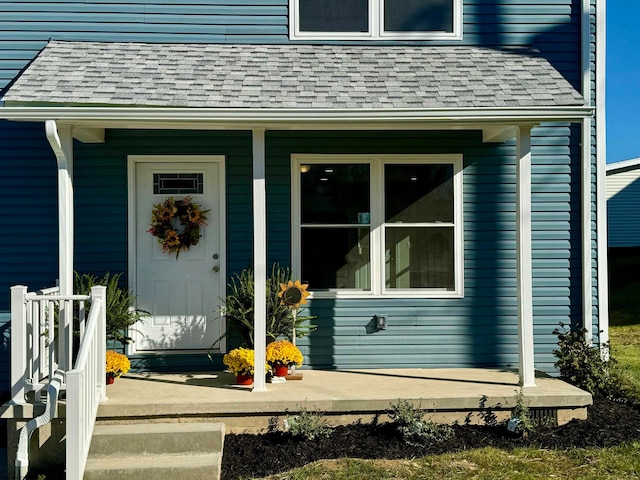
283	352
240	361
117	363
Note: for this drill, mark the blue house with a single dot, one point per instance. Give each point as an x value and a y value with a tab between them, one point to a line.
438	163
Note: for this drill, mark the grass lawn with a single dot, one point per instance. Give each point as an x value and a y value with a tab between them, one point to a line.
621	462
618	463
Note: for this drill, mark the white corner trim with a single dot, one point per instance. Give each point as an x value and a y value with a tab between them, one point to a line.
585	177
601	177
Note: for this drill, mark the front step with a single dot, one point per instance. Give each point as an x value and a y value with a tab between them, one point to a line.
204	466
156	451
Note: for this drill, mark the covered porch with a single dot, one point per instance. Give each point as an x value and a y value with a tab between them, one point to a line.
446	395
512	95
260	109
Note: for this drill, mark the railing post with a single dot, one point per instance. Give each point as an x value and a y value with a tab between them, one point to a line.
18	343
101	337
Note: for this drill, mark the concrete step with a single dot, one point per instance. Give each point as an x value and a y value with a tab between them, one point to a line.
156	439
155	467
156	451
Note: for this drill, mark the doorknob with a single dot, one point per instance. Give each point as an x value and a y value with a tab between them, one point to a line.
216	269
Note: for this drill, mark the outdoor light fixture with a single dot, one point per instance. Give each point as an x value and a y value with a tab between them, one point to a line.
381	322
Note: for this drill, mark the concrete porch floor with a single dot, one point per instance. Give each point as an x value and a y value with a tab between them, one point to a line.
447	395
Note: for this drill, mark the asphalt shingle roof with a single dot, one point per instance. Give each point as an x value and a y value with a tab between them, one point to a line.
290	76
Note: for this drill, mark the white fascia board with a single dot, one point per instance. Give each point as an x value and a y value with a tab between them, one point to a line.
622	165
288	118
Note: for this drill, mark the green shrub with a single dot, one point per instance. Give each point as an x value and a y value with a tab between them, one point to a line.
412	426
239	308
308	425
521	416
581	363
121	313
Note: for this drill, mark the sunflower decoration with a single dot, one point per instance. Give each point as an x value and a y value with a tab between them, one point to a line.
176	224
293	294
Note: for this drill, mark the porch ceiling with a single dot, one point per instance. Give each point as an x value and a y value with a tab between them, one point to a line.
135	85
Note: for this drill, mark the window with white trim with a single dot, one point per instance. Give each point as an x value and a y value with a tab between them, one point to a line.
375	19
378	225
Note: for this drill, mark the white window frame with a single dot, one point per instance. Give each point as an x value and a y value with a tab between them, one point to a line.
377	163
376	27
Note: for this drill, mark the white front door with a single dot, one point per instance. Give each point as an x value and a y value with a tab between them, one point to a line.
182	294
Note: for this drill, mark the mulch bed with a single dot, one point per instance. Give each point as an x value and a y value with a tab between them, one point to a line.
245	455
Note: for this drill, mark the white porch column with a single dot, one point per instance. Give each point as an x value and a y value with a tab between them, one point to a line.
61	143
259	258
523	240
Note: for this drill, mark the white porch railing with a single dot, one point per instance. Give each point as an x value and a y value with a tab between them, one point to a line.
41	337
86	386
42	346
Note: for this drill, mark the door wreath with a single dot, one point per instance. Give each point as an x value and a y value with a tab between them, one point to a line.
176	224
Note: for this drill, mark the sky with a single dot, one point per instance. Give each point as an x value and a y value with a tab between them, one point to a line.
623	80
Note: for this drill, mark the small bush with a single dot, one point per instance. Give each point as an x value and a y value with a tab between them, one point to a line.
308	425
582	364
521	415
412	426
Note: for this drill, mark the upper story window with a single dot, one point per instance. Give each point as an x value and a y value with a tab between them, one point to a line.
375	19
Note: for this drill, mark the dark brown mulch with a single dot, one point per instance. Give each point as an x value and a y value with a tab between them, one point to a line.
246	455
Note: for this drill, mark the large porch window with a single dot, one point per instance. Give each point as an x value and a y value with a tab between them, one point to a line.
383	225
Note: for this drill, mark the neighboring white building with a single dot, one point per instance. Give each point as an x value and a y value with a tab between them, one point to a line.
623	203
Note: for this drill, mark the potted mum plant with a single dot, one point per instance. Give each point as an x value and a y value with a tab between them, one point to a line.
117	365
240	362
281	355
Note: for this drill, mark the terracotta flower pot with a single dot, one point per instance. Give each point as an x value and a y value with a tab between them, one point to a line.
111	378
244	379
281	370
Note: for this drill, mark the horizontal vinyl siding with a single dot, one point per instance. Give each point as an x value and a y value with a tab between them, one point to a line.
469	326
28	193
552	26
101	191
481	328
477	330
623	208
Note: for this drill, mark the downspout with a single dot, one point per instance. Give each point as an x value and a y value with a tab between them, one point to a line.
585	177
601	153
63	150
